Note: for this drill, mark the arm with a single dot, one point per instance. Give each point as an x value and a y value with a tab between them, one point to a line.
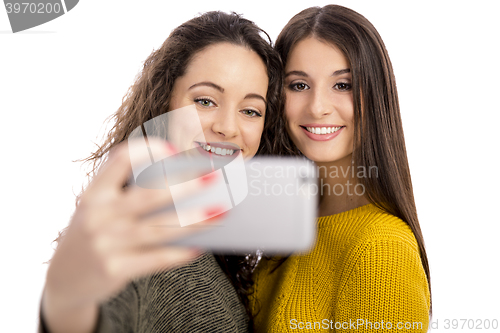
385	286
83	318
111	240
118	315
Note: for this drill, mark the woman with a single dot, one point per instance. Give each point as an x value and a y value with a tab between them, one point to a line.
368	270
95	282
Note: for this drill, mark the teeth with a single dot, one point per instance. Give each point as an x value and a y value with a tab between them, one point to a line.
217	150
323	130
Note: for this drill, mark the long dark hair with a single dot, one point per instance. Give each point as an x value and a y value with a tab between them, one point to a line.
378	130
150	96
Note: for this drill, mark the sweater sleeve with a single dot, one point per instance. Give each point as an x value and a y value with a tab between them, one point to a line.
193	298
385	288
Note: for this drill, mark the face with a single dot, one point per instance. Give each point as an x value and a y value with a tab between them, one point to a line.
228	86
319	104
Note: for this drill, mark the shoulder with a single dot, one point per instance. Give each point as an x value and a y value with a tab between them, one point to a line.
383	226
352	231
197	282
197	295
204	268
380	236
193	297
378	246
382	274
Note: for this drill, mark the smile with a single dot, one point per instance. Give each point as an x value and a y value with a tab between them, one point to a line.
322	130
216	150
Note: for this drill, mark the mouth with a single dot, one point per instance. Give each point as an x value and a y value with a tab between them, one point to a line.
322	130
219	149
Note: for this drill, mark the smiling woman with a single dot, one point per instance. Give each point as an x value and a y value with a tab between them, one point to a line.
228	84
111	271
369	265
306	106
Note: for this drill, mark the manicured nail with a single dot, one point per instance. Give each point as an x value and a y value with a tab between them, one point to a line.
209	178
214	211
216	218
171	147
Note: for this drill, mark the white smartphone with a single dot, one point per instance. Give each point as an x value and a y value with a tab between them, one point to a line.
270	203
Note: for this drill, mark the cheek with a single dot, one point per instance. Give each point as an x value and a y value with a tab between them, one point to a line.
253	134
294	113
297	105
292	108
348	110
175	97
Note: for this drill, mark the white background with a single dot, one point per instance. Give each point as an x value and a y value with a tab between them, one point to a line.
59	81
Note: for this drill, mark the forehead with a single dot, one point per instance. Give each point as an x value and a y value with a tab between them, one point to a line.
229	65
314	55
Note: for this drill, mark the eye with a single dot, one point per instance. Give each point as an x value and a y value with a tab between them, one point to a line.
251	113
298	86
205	102
343	86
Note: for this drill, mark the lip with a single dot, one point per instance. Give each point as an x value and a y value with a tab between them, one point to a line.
321	137
320	125
226	145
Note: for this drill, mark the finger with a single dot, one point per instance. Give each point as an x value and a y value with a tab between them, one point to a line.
142	201
158	230
116	170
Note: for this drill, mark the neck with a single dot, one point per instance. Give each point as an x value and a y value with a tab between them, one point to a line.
340	187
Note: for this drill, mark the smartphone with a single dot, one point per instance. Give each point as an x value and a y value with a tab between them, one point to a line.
270	203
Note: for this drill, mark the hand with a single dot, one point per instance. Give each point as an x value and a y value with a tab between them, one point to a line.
111	239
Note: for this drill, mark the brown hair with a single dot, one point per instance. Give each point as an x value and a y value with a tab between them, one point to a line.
378	130
150	96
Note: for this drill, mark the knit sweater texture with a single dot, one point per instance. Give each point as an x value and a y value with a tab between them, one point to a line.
364	274
194	298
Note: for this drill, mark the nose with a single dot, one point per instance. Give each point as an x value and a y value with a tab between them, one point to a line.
225	123
320	104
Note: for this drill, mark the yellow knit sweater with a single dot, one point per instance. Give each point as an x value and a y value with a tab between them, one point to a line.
363	275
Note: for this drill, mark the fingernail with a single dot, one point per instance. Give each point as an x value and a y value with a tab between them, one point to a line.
171	147
214	211
209	178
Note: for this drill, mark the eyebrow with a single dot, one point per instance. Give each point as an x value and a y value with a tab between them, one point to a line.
208	84
304	74
255	96
219	88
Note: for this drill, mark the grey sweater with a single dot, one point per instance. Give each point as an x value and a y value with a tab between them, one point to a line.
194	298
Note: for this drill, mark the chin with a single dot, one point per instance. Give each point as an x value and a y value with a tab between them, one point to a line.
318	158
322	158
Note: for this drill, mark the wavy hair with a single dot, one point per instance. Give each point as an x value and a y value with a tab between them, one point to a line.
378	130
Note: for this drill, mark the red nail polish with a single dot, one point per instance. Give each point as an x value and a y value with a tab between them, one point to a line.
171	147
214	211
208	178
